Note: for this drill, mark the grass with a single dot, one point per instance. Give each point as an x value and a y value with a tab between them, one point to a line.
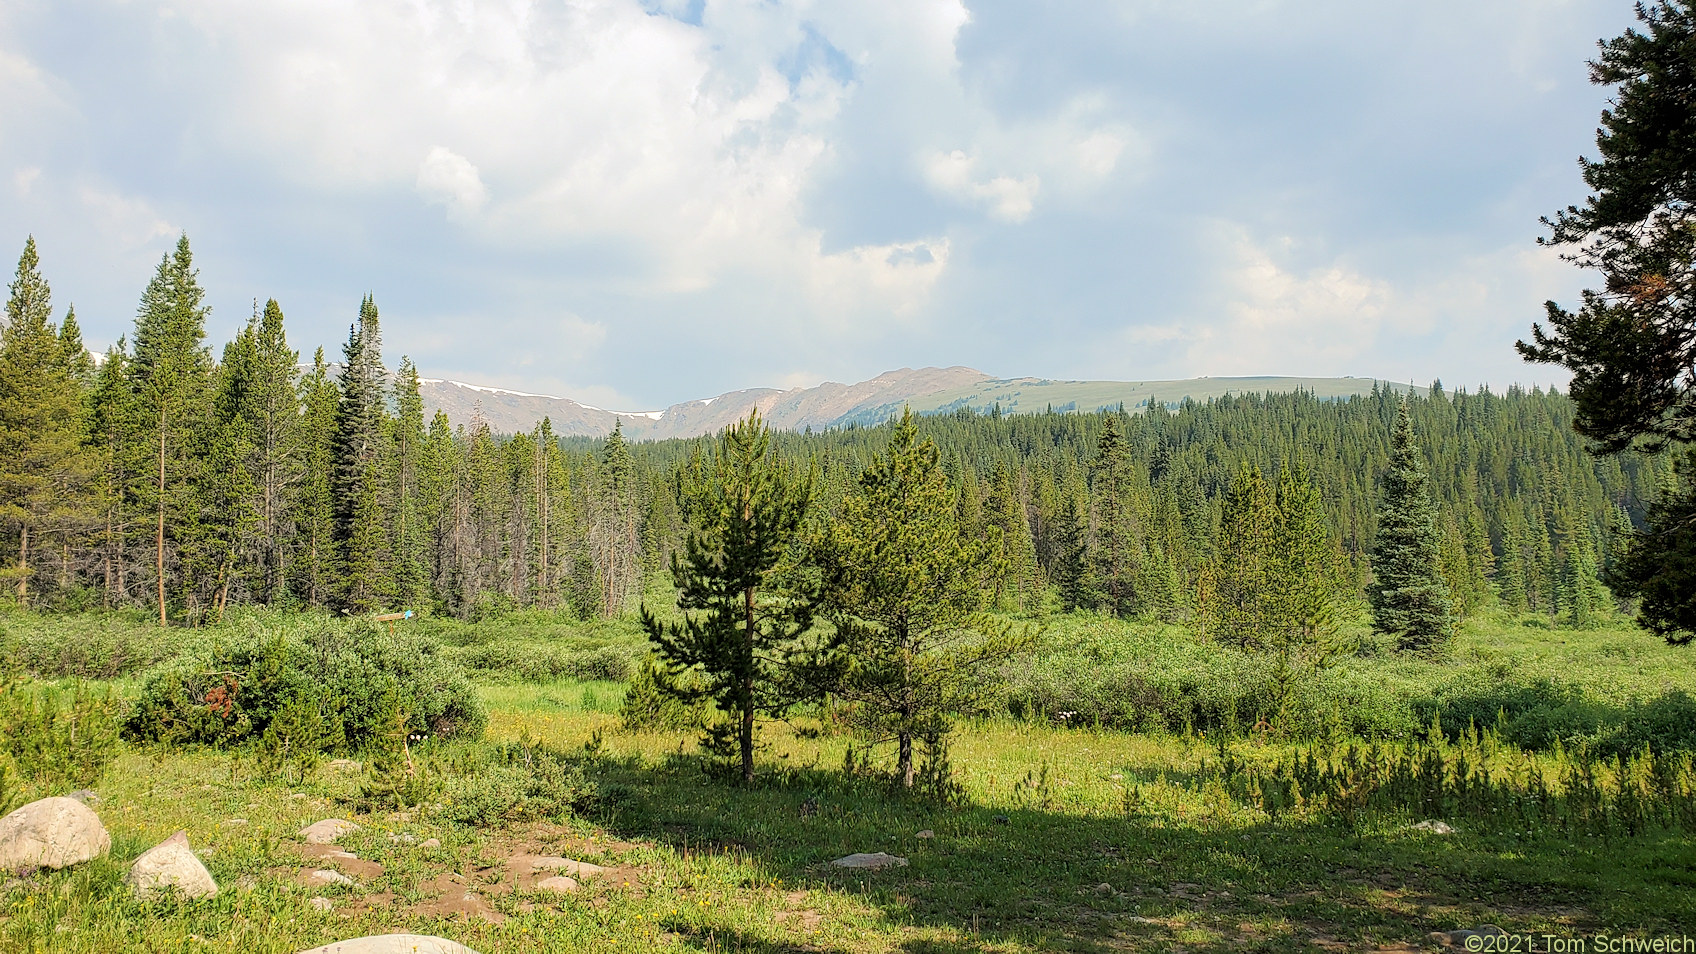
1068	838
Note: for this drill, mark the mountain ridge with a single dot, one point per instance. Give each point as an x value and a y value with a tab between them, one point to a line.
832	404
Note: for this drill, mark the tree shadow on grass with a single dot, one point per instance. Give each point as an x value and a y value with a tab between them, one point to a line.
1045	878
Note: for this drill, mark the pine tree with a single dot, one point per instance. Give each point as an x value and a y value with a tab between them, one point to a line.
112	413
906	591
46	472
1116	532
1242	605
314	564
1409	597
741	621
614	540
171	377
410	533
1073	575
362	552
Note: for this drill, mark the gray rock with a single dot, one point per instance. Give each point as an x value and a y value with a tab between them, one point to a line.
1435	827
51	833
171	863
558	884
927	833
327	876
327	831
873	861
430	843
393	944
344	765
581	869
322	904
233	823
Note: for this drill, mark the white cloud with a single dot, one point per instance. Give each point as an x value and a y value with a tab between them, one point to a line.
132	222
1007	198
23	180
447	178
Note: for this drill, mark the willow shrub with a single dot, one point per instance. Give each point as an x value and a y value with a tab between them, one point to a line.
354	675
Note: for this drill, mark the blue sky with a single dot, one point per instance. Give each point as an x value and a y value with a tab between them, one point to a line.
637	202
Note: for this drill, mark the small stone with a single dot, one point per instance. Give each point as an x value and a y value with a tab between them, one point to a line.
558	884
430	843
1435	827
327	831
393	944
322	904
344	765
1139	919
340	854
1103	888
1118	776
927	833
232	823
300	796
51	833
326	876
873	860
402	838
171	864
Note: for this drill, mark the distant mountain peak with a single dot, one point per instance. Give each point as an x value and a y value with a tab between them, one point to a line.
830	404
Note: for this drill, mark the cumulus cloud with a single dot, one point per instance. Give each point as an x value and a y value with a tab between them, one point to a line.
447	178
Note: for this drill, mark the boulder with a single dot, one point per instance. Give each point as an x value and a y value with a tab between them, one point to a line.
874	860
327	831
51	833
393	944
559	884
171	863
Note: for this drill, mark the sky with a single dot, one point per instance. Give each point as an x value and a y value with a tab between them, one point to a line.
639	202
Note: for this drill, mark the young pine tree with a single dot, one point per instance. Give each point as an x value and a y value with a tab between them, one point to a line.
1410	599
905	587
743	607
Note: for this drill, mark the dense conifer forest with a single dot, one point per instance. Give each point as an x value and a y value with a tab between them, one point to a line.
161	474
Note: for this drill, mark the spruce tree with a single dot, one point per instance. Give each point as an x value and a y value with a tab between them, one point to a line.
906	590
1241	608
361	526
46	471
613	530
744	606
409	531
1116	531
171	378
1410	599
313	568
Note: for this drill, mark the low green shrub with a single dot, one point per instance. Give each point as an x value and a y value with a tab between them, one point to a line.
55	738
352	675
541	662
515	782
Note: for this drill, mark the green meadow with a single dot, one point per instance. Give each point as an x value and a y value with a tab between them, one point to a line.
1060	829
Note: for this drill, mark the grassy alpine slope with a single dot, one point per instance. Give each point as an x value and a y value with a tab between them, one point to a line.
1061	836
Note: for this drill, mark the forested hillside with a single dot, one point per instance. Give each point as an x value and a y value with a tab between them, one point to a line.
164	476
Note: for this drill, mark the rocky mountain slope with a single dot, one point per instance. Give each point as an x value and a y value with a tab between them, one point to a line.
927	390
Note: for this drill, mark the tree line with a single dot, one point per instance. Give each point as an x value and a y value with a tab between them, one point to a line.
163	477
